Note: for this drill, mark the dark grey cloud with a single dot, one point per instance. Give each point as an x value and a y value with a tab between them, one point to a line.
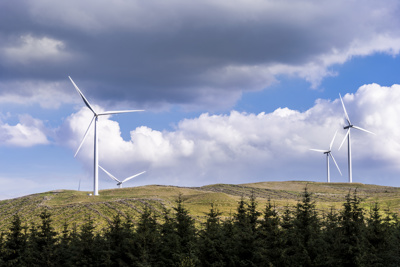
204	53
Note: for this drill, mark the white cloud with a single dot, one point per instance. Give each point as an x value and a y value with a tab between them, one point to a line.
49	95
230	148
28	132
31	49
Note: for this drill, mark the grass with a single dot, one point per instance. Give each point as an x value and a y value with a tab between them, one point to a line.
74	207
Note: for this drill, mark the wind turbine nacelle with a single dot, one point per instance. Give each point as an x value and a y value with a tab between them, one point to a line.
348	126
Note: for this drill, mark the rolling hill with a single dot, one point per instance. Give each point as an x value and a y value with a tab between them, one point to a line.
74	207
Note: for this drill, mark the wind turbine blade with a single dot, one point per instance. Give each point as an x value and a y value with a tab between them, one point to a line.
109	174
335	163
118	112
319	150
345	112
83	97
84	137
333	139
127	179
348	131
361	129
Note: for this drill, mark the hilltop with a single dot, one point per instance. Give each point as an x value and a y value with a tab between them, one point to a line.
76	206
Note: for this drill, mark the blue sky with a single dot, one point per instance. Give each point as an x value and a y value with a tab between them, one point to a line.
234	91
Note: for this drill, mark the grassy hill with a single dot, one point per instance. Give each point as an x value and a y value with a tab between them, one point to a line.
75	206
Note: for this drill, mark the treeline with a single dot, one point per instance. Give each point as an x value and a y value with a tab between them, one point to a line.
299	236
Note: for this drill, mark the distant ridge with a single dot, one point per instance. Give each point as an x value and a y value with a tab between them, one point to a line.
74	207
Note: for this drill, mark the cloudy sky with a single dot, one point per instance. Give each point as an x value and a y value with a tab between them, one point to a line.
234	91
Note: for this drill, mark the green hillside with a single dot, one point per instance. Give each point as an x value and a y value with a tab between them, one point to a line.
75	206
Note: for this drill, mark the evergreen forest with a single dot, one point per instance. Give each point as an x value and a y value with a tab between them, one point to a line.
296	236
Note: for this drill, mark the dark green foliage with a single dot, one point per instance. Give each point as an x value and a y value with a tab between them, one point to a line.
118	243
244	232
381	240
15	245
147	239
2	250
296	236
86	247
211	240
186	234
330	234
42	242
352	229
270	238
308	247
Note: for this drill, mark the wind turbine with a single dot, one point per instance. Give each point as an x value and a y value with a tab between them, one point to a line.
348	127
119	183
95	118
328	153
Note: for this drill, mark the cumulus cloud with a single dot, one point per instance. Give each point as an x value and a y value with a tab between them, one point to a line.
48	95
237	146
28	132
153	53
31	49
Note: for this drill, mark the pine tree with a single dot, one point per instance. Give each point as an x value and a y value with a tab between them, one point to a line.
87	247
178	237
64	247
245	224
352	233
2	249
228	241
169	247
307	246
186	232
270	238
147	239
331	236
380	238
45	242
15	244
118	242
211	247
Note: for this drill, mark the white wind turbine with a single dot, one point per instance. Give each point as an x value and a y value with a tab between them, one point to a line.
95	118
119	183
328	153
348	127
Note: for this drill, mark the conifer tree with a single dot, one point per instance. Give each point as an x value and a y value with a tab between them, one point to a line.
118	242
211	247
287	236
178	237
352	233
169	247
63	249
307	246
15	244
331	236
270	238
87	248
245	225
229	244
147	239
186	232
381	242
45	241
2	249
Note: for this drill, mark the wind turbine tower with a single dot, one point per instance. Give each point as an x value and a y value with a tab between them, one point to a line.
348	127
328	154
96	153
